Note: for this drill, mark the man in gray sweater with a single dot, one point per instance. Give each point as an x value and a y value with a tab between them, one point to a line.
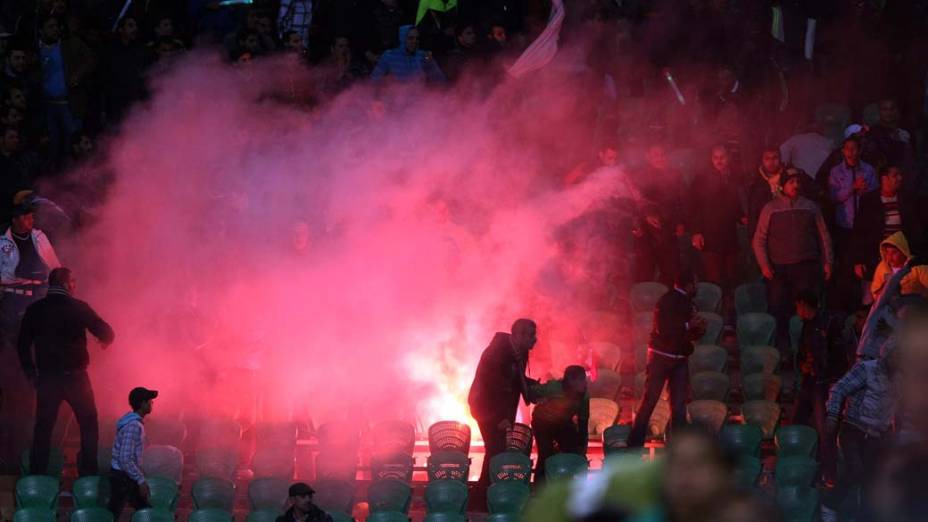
792	248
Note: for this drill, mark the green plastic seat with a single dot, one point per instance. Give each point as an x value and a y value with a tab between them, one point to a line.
603	414
607	355
445	496
55	463
615	438
91	491
217	462
644	296
511	466
449	436
91	514
279	435
756	329
565	465
759	359
389	495
742	439
213	493
708	358
263	515
280	463
34	514
761	386
763	414
163	461
710	386
387	516
606	385
164	492
397	466
714	325
153	515
795	471
508	497
709	413
796	440
750	298
334	495
708	297
747	471
268	494
165	432
220	433
444	465
642	324
445	517
37	491
210	515
392	437
798	504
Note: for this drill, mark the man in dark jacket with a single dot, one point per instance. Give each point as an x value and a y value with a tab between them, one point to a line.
676	326
822	359
715	209
882	213
56	328
499	382
302	508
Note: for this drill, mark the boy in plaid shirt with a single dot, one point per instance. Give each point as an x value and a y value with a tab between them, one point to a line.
127	482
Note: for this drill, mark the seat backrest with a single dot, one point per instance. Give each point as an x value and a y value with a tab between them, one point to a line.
763	414
165	432
55	463
37	491
603	413
796	471
220	433
710	386
743	439
645	295
565	465
210	515
389	495
449	436
519	438
446	496
275	435
750	298
268	494
708	297
392	437
510	466
91	514
213	493
163	461
796	440
606	385
448	465
334	466
709	413
507	497
615	438
91	491
714	325
759	359
747	471
217	462
756	329
396	466
34	514
761	386
334	495
274	462
163	492
708	358
153	515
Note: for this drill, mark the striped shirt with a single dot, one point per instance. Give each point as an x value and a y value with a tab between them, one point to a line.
128	447
892	221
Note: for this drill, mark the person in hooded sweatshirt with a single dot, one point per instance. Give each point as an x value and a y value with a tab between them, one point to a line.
895	253
127	483
408	63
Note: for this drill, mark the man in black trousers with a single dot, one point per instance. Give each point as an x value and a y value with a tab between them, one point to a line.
55	327
499	382
676	326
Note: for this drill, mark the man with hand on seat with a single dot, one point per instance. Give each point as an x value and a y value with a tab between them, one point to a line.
561	417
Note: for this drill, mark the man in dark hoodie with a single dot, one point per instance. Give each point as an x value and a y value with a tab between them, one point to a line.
499	382
302	508
56	327
127	483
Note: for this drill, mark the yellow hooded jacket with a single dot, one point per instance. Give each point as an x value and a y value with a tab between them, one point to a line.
915	282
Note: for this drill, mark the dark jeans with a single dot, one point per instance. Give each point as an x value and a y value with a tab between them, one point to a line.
844	289
61	125
553	439
73	388
662	369
861	454
810	410
656	256
123	489
787	282
494	443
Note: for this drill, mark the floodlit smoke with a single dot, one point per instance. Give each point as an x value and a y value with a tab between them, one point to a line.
351	262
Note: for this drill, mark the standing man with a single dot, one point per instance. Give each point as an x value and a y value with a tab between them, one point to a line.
127	483
792	248
676	326
26	256
55	327
499	382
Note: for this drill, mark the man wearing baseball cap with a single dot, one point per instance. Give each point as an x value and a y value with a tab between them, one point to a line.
127	482
302	508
